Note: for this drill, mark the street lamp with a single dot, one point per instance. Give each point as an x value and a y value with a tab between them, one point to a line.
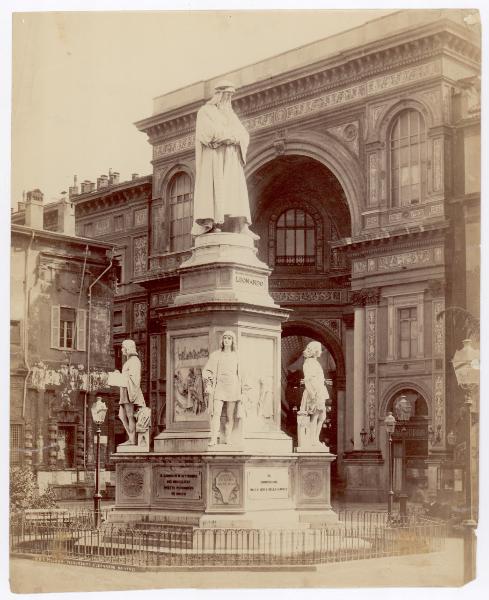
99	410
390	425
466	364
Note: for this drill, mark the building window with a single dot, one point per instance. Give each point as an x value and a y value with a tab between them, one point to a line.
408	332
88	230
119	223
15	333
181	211
295	242
16	443
68	328
67	319
118	322
408	159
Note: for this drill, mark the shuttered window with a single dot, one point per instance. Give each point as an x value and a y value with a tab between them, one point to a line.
68	328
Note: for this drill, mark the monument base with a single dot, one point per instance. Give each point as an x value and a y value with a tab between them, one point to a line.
231	490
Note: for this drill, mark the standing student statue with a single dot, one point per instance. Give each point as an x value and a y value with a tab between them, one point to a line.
131	396
223	385
315	396
221	143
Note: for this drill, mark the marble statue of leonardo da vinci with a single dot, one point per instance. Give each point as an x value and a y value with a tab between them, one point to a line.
221	143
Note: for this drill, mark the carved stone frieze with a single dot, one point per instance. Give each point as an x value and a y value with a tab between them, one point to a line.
405	54
310	296
315	105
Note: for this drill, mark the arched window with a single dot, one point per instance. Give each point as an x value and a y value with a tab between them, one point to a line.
181	211
295	238
408	159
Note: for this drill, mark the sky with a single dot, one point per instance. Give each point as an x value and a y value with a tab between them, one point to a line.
81	80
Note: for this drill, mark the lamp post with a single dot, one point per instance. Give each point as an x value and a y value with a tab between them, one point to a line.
99	410
467	371
390	425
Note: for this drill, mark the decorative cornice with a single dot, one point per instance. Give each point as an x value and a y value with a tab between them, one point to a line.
378	242
326	76
110	197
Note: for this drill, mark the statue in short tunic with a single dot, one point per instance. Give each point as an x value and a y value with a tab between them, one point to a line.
222	384
221	144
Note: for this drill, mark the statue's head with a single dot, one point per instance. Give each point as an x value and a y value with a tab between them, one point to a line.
129	348
313	350
223	92
228	339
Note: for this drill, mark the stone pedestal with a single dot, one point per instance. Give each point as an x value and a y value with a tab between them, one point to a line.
223	286
225	490
256	480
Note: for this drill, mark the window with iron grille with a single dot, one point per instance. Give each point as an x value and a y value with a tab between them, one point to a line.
181	212
408	332
16	443
296	239
408	159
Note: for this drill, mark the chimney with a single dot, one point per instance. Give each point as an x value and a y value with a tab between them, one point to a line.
34	211
73	189
134	176
102	182
113	177
67	217
87	187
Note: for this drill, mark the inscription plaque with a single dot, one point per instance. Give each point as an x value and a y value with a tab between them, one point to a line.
268	484
179	483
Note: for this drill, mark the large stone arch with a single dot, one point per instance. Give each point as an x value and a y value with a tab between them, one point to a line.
328	151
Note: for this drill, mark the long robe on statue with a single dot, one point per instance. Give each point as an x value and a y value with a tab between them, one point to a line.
220	184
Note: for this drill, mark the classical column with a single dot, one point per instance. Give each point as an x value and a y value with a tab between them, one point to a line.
358	375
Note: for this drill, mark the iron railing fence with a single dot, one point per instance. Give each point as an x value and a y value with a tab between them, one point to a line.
150	545
79	518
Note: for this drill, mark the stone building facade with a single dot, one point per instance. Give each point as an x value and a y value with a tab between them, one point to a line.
363	179
60	348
